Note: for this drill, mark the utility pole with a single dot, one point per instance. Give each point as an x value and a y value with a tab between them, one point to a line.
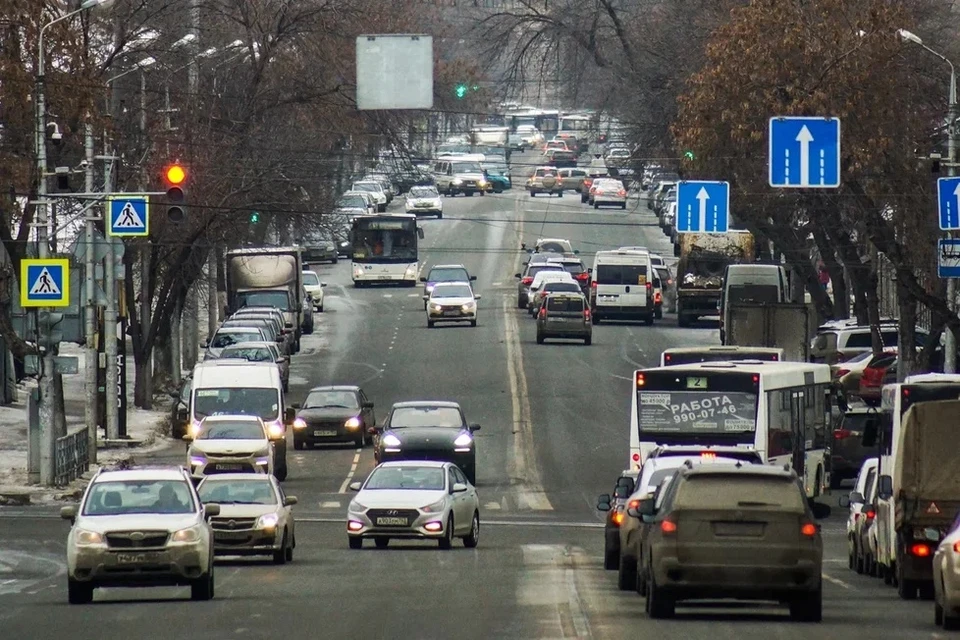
90	318
950	341
110	323
191	320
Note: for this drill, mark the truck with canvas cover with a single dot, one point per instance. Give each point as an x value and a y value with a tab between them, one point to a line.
267	276
783	325
704	258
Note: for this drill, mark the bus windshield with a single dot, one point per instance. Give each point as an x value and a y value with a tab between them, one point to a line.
261	402
384	240
696	403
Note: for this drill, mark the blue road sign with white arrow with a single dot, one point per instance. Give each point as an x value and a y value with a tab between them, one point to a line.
129	215
948	200
804	153
703	207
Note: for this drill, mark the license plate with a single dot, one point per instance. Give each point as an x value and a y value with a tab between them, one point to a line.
747	529
384	278
324	433
136	558
451	313
229	467
391	522
423	205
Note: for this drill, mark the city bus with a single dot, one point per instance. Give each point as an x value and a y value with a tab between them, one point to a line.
384	249
780	409
690	355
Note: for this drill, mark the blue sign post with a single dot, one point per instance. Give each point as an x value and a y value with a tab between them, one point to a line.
948	201
703	207
129	215
804	153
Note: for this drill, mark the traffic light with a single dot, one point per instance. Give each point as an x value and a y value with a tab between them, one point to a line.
461	91
175	177
688	155
254	217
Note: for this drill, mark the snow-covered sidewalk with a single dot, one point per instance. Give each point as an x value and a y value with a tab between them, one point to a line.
147	431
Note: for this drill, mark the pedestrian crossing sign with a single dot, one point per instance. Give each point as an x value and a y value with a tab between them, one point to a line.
45	282
129	215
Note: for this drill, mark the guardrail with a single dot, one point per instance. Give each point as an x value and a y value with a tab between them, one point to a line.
71	457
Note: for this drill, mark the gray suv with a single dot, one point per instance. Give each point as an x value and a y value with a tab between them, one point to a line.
564	315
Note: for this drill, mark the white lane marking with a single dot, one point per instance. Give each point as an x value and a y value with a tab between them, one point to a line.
491	505
353	469
496	284
332	504
550	585
413	295
836	581
388	295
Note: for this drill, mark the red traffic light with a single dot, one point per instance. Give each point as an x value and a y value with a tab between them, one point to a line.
175	174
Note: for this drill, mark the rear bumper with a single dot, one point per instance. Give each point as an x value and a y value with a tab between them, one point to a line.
612	311
753	582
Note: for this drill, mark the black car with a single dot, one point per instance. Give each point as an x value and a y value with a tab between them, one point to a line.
334	414
428	430
615	506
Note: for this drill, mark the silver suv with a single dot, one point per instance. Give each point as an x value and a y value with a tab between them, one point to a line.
140	528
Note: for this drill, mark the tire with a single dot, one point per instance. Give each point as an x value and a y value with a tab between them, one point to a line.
356	542
624	206
659	604
583	199
950	623
280	475
430	324
483	193
658	314
906	589
280	555
641	581
472	539
611	557
439	216
533	194
473	323
360	441
540	338
682	320
520	303
286	387
79	592
289	552
626	573
298	444
886	574
937	614
202	587
596	206
808	607
382	543
334	261
856	561
926	592
320	310
446	542
594	318
648	320
588	341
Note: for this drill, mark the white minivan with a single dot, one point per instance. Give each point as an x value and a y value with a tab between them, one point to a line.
622	286
755	283
238	387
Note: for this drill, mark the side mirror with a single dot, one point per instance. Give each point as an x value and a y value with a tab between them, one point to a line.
425	298
647	507
576	252
174	394
603	502
477	297
373	431
280	339
211	510
885	488
423	279
367	405
821	511
473	278
186	437
420	232
474	427
517	276
289	415
459	487
205	344
355	486
282	359
323	284
855	497
289	501
69	512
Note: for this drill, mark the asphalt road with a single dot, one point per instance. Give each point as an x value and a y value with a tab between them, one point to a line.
554	436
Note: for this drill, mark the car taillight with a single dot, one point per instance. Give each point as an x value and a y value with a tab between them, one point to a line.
622	193
617	518
649	286
593	285
598	192
956	547
526	281
543	312
658	298
871	514
586	314
668	527
809	529
842	434
920	550
582	276
841	372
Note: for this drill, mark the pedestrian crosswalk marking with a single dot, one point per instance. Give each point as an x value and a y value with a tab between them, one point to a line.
45	284
129	218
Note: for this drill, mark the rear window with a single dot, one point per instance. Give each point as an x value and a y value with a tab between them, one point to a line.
564	304
863	340
574	267
625	274
533	270
756	293
664	274
557	287
737	492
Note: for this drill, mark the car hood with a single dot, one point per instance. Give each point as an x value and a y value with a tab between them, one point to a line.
398	498
228	446
313	288
138	522
245	510
451	301
327	413
351	210
421	434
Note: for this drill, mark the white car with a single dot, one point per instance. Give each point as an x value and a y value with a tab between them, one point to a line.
552	285
555	275
452	302
135	524
424	201
414	499
375	189
860	514
608	193
313	285
230	444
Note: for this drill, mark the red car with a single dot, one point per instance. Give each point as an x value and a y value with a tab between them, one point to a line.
881	370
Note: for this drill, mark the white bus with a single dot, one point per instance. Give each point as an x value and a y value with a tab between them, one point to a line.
384	249
781	409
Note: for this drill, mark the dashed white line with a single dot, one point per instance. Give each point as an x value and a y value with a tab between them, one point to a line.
836	581
353	469
333	504
491	505
388	295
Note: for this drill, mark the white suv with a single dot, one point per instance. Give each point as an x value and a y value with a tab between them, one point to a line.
136	528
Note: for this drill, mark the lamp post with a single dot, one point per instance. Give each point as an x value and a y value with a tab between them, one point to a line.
950	342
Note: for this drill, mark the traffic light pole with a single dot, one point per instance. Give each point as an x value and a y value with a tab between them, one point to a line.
110	326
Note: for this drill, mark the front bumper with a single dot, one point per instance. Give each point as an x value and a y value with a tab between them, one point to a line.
604	201
327	433
246	542
364	525
213	465
451	315
170	566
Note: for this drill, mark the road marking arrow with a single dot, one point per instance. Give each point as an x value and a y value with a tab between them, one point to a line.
703	196
804	138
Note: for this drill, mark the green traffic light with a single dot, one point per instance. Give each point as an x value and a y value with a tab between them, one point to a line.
254	217
461	90
688	155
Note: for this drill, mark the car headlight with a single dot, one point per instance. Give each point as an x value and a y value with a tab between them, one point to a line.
186	535
194	429
429	288
456	181
352	423
463	440
435	307
197	459
299	423
482	183
85	538
391	440
436	507
356	507
267	521
275	429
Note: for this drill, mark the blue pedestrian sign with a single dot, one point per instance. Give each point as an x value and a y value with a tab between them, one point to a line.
44	282
703	207
804	153
948	258
129	215
948	200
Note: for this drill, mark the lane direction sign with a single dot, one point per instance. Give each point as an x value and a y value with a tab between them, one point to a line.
129	215
45	282
703	207
948	258
948	203
804	153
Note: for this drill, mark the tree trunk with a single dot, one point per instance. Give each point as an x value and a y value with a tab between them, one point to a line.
873	304
906	351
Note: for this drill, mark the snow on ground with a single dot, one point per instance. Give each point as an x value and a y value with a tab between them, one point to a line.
147	427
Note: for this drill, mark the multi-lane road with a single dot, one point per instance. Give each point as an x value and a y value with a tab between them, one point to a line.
554	436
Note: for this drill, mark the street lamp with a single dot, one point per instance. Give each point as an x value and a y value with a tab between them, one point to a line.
950	343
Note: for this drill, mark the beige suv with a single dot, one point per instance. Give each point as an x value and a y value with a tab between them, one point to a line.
545	180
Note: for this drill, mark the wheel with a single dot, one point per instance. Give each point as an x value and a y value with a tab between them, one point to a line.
382	543
886	574
424	305
583	199
469	194
937	614
446	542
624	206
596	206
659	604
906	589
356	542
540	338
472	539
79	592
808	607
926	591
648	320
560	193
473	323
319	309
520	303
286	387
430	324
588	341
594	318
483	193
360	441
298	444
280	555
626	573
658	314
289	553
334	261
280	474
682	320
856	560
533	193
950	623
202	587
439	216
641	581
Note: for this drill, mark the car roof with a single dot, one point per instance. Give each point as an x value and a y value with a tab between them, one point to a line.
565	294
237	328
760	470
458	283
448	266
142	473
335	387
436	464
426	403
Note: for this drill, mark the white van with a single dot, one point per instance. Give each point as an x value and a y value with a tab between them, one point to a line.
758	283
622	286
238	387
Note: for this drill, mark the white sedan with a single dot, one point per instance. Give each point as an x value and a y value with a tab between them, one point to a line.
608	192
946	580
451	302
414	500
424	201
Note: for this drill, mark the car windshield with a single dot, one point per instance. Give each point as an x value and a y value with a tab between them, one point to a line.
425	417
251	354
331	400
231	430
352	202
222	491
574	267
261	402
125	497
310	278
414	478
466	167
533	270
423	192
371	187
552	247
453	291
227	338
448	275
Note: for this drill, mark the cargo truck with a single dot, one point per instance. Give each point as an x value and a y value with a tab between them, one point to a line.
783	325
268	276
704	258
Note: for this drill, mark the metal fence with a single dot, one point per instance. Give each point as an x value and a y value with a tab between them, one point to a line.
71	457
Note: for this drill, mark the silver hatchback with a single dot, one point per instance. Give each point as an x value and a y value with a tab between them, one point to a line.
564	315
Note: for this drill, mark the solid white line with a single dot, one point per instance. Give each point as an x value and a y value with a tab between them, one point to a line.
832	580
496	284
